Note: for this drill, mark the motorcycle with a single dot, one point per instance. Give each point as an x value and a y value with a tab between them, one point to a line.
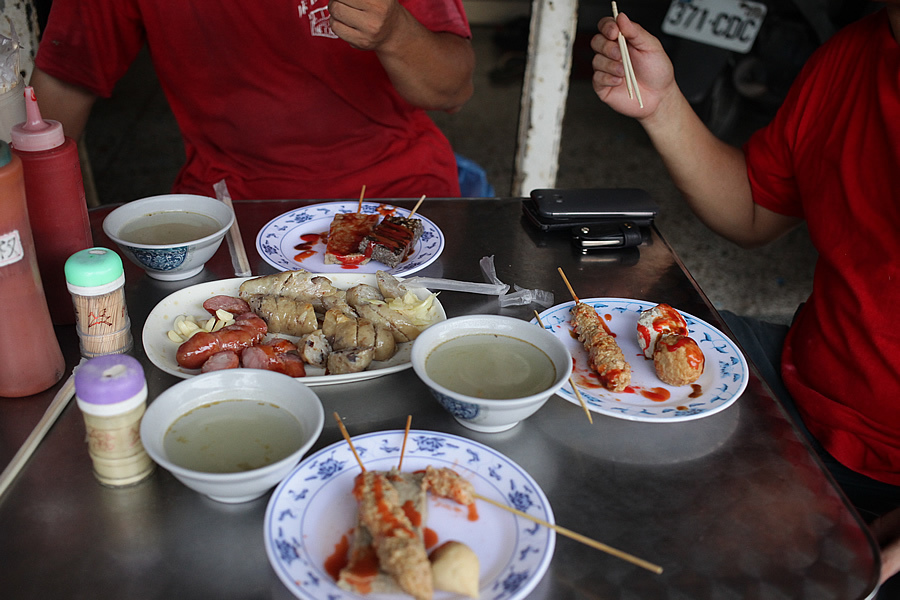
736	59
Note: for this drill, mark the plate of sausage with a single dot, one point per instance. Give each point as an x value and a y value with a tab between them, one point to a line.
288	334
303	238
655	387
312	516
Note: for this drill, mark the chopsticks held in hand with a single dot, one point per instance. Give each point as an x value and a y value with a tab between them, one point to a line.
630	80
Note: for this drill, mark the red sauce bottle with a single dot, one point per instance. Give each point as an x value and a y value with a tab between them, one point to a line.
57	208
30	357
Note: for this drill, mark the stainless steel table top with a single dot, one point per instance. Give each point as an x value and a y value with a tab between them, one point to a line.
731	506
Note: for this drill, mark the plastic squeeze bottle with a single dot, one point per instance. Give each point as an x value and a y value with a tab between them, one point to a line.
30	358
56	205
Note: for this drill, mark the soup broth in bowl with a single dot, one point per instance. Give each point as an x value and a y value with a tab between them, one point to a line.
488	371
232	435
168	227
488	365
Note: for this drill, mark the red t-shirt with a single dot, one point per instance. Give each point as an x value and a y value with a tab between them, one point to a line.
265	95
832	157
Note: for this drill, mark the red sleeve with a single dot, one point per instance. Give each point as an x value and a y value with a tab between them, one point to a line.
91	43
440	15
769	160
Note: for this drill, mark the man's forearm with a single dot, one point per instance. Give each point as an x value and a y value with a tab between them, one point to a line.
430	70
711	175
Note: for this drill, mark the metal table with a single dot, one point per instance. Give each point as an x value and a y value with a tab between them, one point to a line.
731	506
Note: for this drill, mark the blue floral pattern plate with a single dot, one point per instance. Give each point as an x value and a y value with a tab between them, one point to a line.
649	399
313	508
277	241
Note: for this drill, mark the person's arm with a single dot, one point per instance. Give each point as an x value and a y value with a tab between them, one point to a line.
61	101
886	530
710	174
430	70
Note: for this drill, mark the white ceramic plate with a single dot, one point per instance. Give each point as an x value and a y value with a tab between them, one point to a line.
649	399
313	507
189	301
276	242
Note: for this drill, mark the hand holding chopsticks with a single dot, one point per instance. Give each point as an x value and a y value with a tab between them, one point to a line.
630	79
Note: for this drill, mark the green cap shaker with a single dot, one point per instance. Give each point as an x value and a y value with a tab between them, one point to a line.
96	279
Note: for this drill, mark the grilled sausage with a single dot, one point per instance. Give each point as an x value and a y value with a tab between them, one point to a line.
247	330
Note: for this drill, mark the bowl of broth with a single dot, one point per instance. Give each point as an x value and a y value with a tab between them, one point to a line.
232	435
170	236
488	371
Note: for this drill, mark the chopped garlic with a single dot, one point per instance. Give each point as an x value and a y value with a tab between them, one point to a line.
186	326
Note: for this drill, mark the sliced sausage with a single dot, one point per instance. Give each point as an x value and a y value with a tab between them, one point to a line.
226	359
232	304
247	330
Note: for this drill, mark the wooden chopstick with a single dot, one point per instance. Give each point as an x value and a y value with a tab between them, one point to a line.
235	242
577	537
630	79
57	405
584	405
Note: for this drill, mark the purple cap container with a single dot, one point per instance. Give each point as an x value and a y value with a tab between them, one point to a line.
110	385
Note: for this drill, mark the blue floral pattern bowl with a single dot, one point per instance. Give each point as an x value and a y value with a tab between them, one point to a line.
171	262
481	414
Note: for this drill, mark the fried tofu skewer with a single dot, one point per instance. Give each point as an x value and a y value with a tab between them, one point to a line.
604	355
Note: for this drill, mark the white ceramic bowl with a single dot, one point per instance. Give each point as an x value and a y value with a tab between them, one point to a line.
170	262
219	387
486	415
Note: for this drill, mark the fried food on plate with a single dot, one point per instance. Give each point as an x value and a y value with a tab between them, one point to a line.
604	355
678	359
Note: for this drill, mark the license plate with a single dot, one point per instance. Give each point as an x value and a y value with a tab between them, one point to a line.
729	24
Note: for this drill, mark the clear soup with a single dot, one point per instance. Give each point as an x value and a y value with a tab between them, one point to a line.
491	366
232	436
168	227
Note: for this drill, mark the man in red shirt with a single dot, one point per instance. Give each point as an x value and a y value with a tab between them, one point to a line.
285	99
830	157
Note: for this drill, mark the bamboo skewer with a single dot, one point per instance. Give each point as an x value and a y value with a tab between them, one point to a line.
630	79
405	435
361	195
416	207
577	537
346	435
566	281
584	405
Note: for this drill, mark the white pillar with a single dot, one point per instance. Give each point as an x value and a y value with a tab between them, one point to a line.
544	92
22	15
